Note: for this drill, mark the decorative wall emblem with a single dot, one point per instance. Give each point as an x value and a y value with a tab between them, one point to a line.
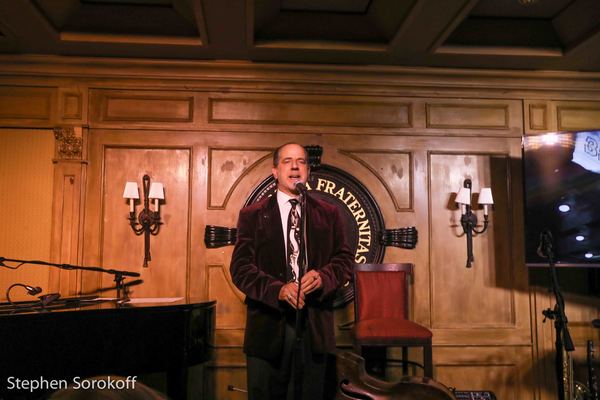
361	213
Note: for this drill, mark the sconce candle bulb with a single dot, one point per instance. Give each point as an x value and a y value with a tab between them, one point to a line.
468	219
131	193
157	193
148	221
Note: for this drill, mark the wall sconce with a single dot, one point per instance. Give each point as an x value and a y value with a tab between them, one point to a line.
148	220
468	220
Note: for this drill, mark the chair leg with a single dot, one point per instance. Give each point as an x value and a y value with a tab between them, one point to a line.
427	361
404	360
375	360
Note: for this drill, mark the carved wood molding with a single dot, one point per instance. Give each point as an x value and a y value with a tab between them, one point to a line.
69	143
370	79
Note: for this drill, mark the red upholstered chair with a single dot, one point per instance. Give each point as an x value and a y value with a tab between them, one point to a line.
381	312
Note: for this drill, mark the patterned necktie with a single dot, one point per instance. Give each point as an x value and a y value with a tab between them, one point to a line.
293	242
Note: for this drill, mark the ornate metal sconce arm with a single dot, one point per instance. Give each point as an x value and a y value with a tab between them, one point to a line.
468	219
147	221
486	221
134	224
468	222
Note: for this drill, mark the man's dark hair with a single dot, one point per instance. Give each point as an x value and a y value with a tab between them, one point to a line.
277	150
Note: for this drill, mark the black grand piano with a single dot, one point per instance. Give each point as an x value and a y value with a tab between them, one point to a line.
86	337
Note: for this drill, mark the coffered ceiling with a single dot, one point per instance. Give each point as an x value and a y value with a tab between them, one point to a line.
496	34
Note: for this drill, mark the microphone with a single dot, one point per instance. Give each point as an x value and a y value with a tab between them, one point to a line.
30	290
33	290
300	187
544	248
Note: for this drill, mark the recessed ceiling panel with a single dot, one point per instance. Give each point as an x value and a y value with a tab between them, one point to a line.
325	26
544	9
7	42
348	21
586	13
509	27
339	6
147	17
515	32
136	2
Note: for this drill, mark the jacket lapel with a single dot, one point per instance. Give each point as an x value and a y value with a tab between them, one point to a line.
272	225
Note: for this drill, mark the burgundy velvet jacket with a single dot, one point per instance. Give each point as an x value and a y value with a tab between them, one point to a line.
258	268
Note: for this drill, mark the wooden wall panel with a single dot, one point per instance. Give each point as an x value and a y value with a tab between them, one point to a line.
478	302
483	297
310	110
540	116
469	114
72	105
27	106
578	115
143	108
149	109
474	116
504	370
167	273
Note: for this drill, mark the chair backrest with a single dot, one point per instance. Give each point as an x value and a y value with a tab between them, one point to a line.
381	290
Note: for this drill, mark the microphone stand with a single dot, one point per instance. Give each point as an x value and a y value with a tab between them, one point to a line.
563	337
302	265
119	275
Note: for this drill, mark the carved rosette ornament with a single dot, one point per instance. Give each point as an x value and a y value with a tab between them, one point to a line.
69	145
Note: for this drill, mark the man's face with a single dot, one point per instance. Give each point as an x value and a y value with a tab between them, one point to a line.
291	168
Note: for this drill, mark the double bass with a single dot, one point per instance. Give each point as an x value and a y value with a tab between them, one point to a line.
353	383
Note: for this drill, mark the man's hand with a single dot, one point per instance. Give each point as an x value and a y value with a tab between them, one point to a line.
311	281
289	294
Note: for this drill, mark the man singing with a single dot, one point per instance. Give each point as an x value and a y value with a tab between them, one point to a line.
266	266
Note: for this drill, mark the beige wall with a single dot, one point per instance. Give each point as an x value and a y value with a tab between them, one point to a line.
410	136
26	172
